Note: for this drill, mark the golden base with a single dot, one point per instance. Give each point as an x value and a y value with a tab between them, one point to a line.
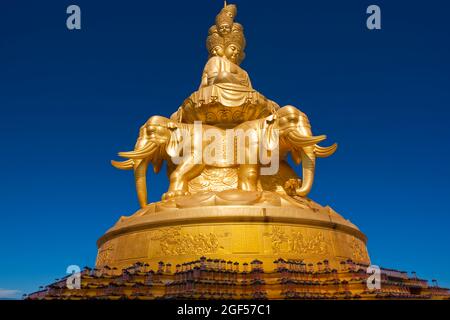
241	233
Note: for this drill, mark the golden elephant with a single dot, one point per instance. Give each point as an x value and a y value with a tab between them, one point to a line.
251	146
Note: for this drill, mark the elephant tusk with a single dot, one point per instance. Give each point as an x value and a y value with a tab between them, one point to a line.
123	165
309	164
303	141
323	152
145	152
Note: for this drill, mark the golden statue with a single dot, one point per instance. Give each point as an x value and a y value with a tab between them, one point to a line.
232	192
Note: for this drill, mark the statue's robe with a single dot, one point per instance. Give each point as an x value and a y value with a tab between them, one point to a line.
225	84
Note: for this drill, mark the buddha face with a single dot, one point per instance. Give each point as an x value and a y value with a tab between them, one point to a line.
217	51
233	53
224	29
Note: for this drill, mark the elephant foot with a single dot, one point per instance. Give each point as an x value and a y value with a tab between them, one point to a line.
173	194
292	185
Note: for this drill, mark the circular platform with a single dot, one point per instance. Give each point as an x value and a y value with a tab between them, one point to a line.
267	227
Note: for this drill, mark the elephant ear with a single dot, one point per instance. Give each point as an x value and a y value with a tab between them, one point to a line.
270	132
172	147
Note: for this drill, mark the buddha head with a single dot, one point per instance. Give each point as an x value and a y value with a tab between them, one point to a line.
213	30
215	45
225	19
235	44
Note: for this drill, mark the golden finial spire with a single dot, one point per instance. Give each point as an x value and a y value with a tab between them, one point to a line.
224	3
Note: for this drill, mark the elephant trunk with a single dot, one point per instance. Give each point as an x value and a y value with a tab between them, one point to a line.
309	164
140	176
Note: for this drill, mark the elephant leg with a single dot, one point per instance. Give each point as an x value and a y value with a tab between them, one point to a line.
181	176
248	177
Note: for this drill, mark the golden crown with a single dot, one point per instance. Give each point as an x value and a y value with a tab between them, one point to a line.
237	27
236	37
214	40
226	15
212	30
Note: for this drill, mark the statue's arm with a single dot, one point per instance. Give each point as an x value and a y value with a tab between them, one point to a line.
248	80
226	77
215	73
204	82
210	72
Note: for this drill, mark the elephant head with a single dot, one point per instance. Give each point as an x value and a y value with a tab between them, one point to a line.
153	146
296	136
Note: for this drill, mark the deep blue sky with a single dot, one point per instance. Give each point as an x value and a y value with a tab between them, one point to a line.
70	100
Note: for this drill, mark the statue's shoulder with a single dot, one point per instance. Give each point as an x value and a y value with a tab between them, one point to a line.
216	60
213	63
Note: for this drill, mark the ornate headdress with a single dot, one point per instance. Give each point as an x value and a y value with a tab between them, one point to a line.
226	15
234	31
213	30
237	27
236	37
214	40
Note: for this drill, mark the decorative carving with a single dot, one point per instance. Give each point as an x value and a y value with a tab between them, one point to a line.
304	245
291	185
173	242
104	254
296	242
278	237
214	179
359	252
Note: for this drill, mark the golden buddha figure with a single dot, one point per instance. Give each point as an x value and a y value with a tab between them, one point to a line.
225	96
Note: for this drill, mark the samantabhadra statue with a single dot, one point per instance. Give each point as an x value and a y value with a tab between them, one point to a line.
232	193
